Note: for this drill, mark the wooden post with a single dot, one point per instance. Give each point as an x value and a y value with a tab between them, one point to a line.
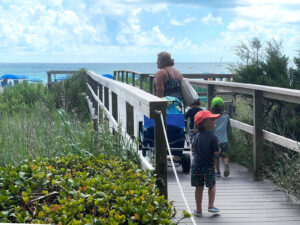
115	75
129	119
101	92
95	103
114	105
210	95
106	98
126	75
141	81
122	76
151	84
49	78
133	79
161	154
257	134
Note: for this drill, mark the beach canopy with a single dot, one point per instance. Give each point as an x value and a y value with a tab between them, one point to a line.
108	75
13	76
9	76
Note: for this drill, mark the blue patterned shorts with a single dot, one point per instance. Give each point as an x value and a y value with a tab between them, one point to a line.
203	175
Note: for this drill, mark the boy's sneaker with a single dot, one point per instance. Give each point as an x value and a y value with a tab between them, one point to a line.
227	170
213	209
218	174
197	214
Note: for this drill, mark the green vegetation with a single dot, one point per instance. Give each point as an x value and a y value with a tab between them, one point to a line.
269	66
146	82
81	190
55	168
70	95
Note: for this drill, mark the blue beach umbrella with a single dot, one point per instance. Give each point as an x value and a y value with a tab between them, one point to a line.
9	76
108	75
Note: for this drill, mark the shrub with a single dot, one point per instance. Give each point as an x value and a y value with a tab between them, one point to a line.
269	66
23	96
69	94
81	190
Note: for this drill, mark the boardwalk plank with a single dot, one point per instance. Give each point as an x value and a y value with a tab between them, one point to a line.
241	200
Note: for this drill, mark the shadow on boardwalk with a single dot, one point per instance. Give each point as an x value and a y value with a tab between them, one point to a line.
241	200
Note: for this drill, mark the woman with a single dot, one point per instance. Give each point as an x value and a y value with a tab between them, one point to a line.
167	79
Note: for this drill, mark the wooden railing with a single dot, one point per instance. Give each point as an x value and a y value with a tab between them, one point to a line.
54	72
108	93
258	92
124	75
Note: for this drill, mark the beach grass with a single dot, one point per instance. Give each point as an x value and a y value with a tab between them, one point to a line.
34	124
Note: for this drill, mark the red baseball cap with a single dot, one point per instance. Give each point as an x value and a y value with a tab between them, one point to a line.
202	115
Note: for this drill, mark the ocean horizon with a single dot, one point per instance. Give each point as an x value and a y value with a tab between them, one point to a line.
39	70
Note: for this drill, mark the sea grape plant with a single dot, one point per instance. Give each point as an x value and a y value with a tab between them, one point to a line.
81	190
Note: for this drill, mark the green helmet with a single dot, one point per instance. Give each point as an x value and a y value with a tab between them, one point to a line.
217	101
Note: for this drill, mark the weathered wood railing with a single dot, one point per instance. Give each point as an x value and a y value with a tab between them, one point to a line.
124	75
54	72
108	93
258	92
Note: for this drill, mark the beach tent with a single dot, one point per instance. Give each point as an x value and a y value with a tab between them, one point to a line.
13	76
9	76
108	75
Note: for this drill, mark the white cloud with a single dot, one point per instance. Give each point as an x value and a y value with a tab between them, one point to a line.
184	22
267	20
209	19
153	37
275	12
47	28
108	28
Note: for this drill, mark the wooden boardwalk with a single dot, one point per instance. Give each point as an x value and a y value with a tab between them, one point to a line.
241	200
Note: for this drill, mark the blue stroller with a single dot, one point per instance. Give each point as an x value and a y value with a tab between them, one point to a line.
176	132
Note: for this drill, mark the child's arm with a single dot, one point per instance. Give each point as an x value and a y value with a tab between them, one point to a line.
216	147
217	153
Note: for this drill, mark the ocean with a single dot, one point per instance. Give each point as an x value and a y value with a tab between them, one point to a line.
39	70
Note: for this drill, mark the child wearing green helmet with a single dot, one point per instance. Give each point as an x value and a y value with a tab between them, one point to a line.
222	129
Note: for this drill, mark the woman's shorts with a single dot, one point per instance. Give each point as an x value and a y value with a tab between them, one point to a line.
203	175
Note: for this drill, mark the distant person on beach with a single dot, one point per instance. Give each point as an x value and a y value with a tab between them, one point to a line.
205	148
167	78
4	82
223	128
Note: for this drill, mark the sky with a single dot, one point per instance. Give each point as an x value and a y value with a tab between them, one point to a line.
136	30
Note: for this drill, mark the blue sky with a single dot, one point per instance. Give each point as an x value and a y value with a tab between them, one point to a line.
136	30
